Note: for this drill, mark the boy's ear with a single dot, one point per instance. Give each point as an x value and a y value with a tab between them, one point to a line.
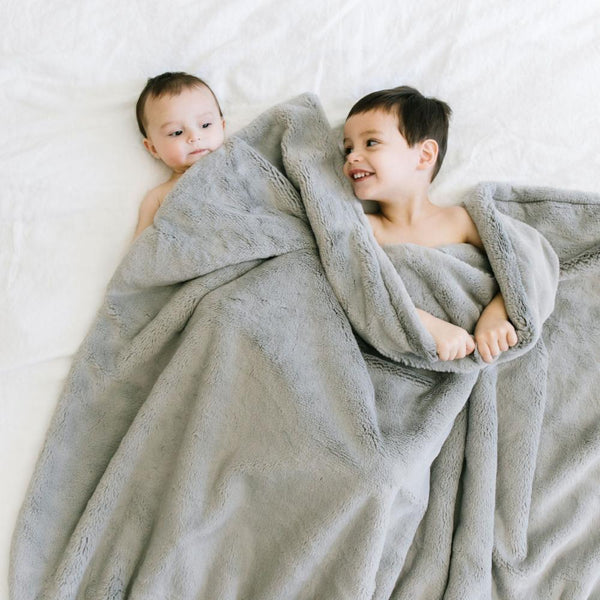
150	147
428	154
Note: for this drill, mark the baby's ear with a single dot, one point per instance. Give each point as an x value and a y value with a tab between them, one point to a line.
150	147
428	154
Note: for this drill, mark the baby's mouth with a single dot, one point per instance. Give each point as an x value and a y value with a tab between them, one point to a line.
200	151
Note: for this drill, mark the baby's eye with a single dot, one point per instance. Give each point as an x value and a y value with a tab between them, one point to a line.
176	133
205	125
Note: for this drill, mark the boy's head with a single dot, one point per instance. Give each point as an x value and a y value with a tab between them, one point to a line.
180	119
421	122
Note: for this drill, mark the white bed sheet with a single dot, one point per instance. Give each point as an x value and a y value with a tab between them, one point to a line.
523	80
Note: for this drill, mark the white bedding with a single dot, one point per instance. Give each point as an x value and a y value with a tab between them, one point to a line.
523	80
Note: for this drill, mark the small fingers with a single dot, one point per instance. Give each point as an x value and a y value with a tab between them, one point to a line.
507	337
443	355
470	344
488	347
490	350
456	350
465	349
485	352
494	348
512	337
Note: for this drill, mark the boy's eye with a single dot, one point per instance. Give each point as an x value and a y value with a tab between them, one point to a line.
176	133
347	150
371	143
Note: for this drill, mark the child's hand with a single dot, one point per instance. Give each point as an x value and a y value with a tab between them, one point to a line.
493	335
451	341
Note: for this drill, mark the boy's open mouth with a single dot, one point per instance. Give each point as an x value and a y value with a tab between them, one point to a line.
360	175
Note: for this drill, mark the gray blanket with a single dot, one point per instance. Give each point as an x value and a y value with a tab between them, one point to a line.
257	412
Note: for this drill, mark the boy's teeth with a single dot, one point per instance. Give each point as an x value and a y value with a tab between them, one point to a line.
359	175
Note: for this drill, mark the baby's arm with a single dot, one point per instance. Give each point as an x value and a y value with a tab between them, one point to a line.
148	208
451	341
494	333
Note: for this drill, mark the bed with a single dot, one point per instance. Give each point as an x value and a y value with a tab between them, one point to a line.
522	81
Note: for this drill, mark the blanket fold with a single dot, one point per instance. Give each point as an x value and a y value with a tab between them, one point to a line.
257	411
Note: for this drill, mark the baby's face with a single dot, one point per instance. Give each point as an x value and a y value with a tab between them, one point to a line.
182	129
379	162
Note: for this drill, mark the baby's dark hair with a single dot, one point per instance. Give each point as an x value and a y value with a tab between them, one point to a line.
419	118
171	84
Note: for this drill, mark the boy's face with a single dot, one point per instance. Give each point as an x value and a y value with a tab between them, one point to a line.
379	162
182	129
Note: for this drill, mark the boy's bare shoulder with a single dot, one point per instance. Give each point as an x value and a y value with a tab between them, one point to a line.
456	212
460	220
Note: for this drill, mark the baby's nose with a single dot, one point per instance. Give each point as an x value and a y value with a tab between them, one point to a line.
195	135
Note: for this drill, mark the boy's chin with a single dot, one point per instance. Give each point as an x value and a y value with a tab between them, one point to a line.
362	195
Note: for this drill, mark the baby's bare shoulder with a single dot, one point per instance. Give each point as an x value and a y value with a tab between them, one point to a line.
150	205
156	195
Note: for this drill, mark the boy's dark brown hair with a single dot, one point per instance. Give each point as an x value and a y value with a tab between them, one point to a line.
167	84
419	118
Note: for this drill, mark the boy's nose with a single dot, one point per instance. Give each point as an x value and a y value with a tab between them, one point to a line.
352	156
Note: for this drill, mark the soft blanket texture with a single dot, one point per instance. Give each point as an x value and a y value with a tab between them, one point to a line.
257	412
521	78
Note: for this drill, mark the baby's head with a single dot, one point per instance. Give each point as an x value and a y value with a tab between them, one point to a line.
180	119
422	123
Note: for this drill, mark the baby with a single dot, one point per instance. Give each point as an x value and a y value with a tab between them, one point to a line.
395	141
181	121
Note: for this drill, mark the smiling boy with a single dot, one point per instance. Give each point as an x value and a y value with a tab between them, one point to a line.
181	121
395	141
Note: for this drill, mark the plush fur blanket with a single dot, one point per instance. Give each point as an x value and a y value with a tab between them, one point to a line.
257	412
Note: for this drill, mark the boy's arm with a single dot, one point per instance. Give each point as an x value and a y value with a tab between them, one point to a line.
451	341
494	333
